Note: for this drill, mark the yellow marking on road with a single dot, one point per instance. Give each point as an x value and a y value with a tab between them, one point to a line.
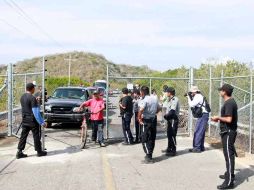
108	176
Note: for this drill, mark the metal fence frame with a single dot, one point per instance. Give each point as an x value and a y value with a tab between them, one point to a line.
191	80
11	107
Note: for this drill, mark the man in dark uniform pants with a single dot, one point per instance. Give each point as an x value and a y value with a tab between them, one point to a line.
31	121
228	126
149	107
136	102
172	113
126	108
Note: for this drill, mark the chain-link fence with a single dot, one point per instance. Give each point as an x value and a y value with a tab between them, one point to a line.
243	94
18	89
208	84
3	105
155	84
13	87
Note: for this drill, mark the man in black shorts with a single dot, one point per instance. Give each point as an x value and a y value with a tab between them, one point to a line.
31	121
228	126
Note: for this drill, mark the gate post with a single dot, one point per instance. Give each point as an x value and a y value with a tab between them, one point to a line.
150	85
43	102
251	109
190	118
10	96
25	80
107	133
210	99
220	99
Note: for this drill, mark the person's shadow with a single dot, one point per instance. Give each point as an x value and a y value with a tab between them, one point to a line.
243	175
164	157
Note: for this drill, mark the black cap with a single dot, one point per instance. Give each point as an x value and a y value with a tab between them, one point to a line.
125	91
165	88
30	86
171	90
226	88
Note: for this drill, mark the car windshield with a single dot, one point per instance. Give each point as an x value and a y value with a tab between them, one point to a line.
91	90
101	84
70	94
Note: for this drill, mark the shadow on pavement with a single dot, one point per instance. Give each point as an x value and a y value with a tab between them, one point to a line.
164	157
68	150
244	175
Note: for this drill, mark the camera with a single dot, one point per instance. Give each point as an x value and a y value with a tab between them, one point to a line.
188	94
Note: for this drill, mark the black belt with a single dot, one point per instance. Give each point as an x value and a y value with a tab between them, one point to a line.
150	119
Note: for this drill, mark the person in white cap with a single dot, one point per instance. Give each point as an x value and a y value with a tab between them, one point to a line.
198	102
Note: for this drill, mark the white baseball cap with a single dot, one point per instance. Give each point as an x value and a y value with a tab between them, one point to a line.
194	89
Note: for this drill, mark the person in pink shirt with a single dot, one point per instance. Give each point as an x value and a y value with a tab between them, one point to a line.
96	105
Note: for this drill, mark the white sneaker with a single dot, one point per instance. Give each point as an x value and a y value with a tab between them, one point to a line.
102	145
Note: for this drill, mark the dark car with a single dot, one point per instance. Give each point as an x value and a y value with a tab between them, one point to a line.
59	107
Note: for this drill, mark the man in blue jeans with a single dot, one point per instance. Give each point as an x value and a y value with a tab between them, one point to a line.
196	99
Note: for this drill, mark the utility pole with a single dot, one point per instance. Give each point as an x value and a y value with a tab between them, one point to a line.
69	70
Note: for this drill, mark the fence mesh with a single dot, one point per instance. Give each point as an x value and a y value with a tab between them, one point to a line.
180	85
19	84
241	95
3	106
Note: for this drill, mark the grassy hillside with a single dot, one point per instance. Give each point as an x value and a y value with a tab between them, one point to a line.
86	66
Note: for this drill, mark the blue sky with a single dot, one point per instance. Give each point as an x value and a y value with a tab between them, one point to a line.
162	34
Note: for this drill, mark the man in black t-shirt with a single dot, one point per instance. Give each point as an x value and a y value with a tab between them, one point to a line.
31	121
228	126
126	109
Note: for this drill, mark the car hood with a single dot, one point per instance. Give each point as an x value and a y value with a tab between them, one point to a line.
64	102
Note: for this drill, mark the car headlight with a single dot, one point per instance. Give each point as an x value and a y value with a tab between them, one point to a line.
48	107
76	109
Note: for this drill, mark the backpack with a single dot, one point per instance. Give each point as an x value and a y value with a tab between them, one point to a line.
207	105
197	112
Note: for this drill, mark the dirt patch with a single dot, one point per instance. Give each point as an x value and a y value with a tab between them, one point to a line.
3	126
216	143
7	141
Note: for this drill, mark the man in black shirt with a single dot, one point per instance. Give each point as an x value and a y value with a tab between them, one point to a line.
228	126
31	121
126	109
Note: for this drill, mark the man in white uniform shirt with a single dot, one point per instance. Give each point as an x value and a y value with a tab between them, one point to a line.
149	107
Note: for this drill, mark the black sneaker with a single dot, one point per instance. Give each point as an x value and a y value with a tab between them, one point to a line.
193	150
171	153
224	177
226	186
148	160
20	154
41	153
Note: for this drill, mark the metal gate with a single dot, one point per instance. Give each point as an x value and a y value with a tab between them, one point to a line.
181	85
16	85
